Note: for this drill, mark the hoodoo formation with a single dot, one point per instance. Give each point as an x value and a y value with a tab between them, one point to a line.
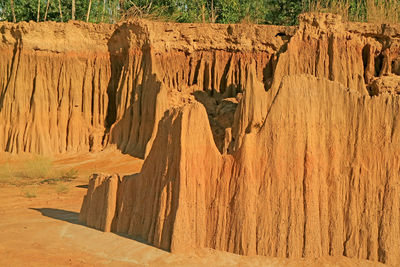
257	140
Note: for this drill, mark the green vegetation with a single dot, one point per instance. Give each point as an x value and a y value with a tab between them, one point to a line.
283	12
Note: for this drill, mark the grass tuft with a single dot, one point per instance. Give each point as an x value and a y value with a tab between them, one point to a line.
62	189
38	167
6	173
30	193
38	170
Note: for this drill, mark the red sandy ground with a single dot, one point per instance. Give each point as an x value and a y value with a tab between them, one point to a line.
44	230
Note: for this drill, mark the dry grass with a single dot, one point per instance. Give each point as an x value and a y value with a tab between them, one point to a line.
62	188
386	11
6	173
34	172
374	11
30	193
37	170
148	12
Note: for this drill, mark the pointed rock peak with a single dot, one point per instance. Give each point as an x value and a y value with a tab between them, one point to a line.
252	108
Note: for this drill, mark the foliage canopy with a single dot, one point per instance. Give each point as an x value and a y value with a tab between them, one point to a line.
280	12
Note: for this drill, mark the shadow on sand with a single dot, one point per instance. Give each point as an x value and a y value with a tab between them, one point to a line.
62	215
73	217
85	186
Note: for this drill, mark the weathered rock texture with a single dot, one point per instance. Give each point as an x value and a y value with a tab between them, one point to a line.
258	140
79	87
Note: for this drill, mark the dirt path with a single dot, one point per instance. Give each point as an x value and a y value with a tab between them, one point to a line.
44	230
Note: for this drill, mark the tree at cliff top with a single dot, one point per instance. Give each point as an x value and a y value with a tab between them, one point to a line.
220	11
26	10
280	12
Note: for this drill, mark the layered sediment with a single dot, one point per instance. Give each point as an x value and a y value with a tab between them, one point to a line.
258	140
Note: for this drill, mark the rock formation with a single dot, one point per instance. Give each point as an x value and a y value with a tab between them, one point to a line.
258	140
53	87
327	186
79	87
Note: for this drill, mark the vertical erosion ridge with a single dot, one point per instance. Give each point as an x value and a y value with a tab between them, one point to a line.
79	87
53	89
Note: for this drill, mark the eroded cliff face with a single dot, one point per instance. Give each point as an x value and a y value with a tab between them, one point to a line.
327	186
165	65
258	140
78	87
53	87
